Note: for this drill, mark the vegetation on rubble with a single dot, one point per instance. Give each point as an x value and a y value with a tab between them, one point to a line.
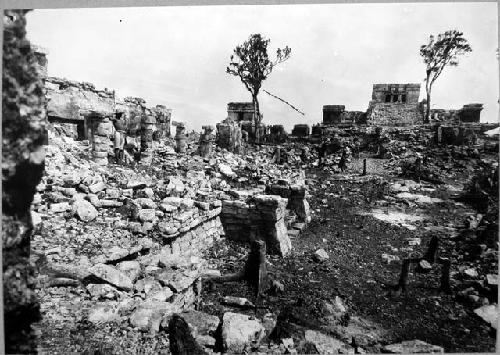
437	54
251	63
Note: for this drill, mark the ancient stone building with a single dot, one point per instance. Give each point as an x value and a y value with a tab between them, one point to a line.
69	103
337	115
301	130
470	113
240	111
395	105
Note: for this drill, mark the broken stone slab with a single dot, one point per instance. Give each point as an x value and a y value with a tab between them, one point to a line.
320	255
113	193
237	301
95	188
149	314
226	170
100	291
489	313
147	215
104	312
175	186
492	279
84	210
60	207
131	268
145	202
203	325
112	275
178	280
325	344
240	333
412	347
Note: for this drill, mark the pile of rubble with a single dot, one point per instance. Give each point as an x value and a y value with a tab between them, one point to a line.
131	239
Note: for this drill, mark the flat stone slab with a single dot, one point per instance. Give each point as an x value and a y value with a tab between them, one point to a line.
412	347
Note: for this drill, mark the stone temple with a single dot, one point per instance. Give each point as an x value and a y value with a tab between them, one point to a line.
395	105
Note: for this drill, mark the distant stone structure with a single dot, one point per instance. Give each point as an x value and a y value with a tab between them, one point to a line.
148	126
337	115
470	113
240	111
395	105
207	138
180	138
230	136
301	130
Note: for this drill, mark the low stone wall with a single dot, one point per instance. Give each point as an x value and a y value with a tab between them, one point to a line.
258	217
297	199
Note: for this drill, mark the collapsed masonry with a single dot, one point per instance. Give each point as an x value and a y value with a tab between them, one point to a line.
79	110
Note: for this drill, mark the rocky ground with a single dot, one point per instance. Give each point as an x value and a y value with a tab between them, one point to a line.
332	293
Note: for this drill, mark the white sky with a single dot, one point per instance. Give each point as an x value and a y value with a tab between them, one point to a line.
177	56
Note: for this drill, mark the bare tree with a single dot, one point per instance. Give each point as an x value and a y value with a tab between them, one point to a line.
439	53
251	63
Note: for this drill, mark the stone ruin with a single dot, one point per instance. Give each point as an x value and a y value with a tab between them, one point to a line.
230	136
207	139
79	110
470	113
337	115
301	130
180	138
395	105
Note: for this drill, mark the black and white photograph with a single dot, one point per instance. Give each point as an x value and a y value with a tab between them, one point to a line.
235	178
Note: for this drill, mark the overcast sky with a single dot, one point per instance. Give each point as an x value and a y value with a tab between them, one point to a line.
177	56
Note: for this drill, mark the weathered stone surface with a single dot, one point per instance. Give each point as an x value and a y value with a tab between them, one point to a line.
413	347
325	344
85	210
240	332
321	255
148	315
488	313
104	312
112	275
130	268
203	325
147	215
102	291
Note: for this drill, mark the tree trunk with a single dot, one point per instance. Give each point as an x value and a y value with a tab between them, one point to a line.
427	118
254	271
256	117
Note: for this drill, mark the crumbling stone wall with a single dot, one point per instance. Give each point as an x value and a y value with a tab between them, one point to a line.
163	117
259	217
23	125
229	136
394	114
297	199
